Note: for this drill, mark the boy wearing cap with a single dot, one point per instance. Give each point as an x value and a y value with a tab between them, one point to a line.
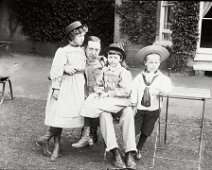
66	94
146	87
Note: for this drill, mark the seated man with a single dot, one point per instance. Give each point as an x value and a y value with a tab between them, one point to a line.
126	122
112	95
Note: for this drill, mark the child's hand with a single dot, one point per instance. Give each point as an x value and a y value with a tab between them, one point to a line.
134	109
55	93
69	69
103	94
99	90
154	92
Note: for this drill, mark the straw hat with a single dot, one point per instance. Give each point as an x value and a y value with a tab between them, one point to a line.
117	47
72	26
153	49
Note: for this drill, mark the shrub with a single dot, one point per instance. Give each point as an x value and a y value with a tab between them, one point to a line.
138	20
45	20
184	31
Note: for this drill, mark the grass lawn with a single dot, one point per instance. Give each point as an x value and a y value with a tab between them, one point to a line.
21	122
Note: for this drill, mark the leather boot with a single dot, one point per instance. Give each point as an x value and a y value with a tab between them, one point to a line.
117	159
43	141
86	139
130	160
56	151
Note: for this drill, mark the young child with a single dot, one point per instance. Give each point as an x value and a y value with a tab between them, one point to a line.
113	86
66	94
145	89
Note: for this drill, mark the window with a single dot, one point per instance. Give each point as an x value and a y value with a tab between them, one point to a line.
165	22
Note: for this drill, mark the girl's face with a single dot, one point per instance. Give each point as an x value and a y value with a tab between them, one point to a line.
79	39
152	62
114	60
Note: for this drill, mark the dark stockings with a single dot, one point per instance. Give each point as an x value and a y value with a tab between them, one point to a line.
141	141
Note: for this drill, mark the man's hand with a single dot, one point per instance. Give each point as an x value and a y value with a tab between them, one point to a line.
69	69
55	93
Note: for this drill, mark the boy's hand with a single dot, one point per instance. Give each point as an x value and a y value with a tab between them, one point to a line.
55	93
154	92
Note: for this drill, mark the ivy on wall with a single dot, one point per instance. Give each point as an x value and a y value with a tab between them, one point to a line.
45	20
184	31
138	20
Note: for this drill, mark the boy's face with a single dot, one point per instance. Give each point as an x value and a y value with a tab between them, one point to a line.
79	39
152	62
92	50
114	59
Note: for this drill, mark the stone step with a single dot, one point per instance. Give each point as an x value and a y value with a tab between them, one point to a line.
202	65
203	57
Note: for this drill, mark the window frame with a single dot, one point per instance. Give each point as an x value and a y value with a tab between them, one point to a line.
162	30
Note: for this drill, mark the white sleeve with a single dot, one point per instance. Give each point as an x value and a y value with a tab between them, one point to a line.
57	68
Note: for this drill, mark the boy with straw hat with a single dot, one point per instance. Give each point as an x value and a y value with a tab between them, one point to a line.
145	90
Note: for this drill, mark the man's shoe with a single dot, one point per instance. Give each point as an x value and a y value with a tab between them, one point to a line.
130	160
117	159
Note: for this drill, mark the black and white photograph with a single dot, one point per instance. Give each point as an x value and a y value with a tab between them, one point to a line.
105	85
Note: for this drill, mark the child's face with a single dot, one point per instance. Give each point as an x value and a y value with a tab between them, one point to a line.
114	60
152	62
79	39
92	50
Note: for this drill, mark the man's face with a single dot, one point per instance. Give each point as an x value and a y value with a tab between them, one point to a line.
92	50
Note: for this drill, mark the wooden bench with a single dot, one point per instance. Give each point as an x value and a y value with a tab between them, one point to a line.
5	46
183	93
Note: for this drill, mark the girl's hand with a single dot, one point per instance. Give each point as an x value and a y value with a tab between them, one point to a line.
69	70
134	109
55	93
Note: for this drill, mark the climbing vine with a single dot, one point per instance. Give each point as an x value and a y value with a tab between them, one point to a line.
184	31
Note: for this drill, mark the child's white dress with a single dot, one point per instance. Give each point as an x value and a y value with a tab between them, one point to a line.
116	81
65	112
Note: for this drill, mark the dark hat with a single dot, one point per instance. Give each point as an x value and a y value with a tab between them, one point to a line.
153	49
73	26
117	47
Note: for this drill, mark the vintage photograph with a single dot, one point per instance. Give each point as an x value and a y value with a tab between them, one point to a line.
105	85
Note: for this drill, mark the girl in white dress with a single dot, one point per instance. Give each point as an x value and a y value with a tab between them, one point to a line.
66	94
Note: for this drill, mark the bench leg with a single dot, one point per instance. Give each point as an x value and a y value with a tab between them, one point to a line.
2	97
11	90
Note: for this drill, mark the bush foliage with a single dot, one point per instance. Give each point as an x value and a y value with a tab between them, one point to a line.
45	20
184	30
138	20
